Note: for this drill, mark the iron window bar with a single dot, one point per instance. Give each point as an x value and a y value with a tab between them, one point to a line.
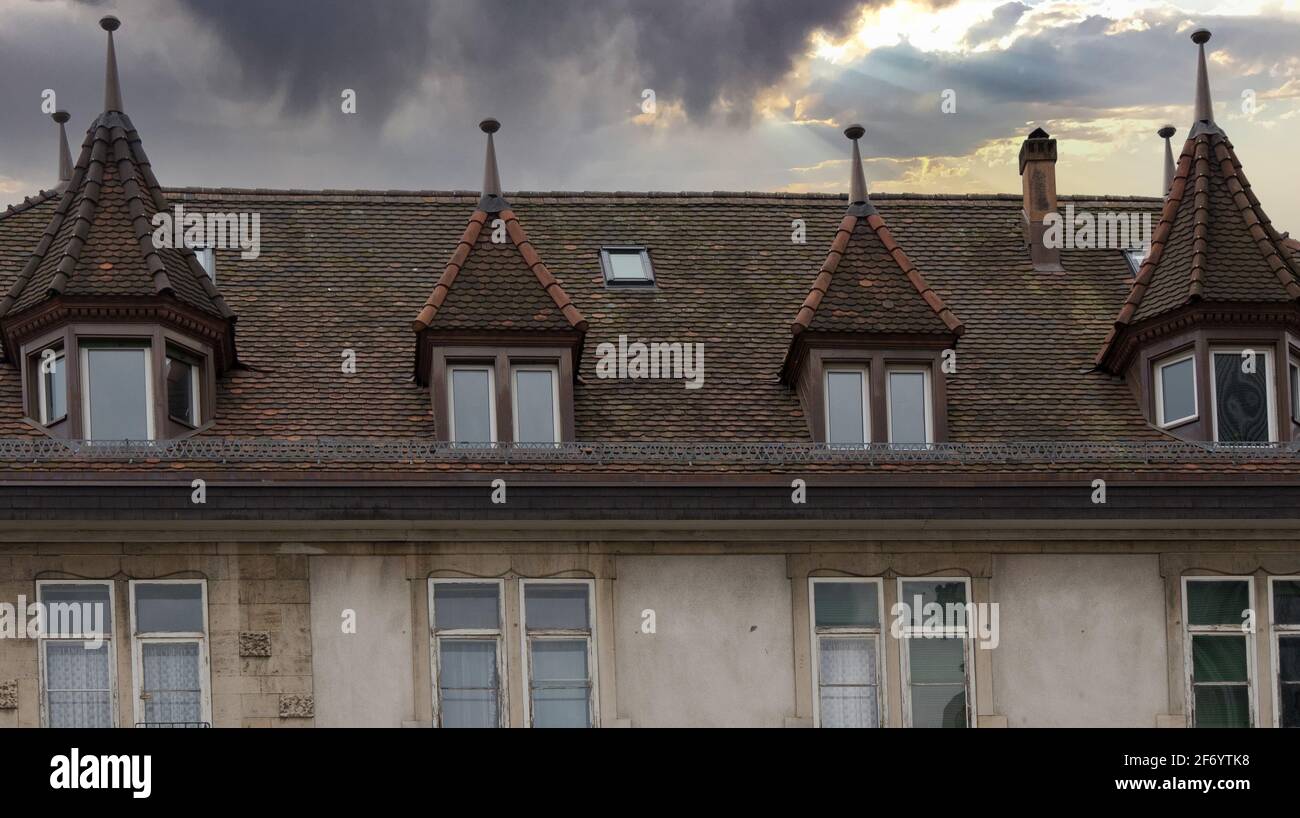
172	724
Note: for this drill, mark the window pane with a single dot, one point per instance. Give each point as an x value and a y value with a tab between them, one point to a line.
171	682
938	706
549	606
468	682
466	605
1218	659
907	410
1295	393
846	661
56	388
849	707
559	683
535	402
840	604
942	593
1222	706
119	403
844	407
626	266
76	609
936	660
471	405
1286	602
1288	648
180	390
77	685
1241	398
169	607
1177	390
1217	603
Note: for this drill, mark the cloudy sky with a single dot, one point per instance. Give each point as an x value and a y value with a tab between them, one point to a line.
749	94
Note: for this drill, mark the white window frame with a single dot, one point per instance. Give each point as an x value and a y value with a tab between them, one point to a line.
42	391
525	637
207	258
848	632
862	371
139	639
1190	630
1270	393
496	635
451	400
195	373
108	641
926	397
1161	420
1278	630
146	349
968	658
554	372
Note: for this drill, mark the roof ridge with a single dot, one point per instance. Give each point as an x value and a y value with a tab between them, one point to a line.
42	196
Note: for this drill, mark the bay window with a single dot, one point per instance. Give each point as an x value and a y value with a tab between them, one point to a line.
169	652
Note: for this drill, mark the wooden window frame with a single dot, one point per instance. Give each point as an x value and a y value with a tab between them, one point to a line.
1270	388
140	638
502	359
1276	631
496	635
816	635
905	660
109	643
527	637
1190	630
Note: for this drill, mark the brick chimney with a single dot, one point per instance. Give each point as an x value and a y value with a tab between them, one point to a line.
1038	181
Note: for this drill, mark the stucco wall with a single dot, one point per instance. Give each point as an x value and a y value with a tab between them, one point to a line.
363	679
1082	640
722	653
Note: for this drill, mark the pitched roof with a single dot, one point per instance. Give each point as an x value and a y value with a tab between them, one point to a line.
1213	242
98	241
503	284
726	274
878	289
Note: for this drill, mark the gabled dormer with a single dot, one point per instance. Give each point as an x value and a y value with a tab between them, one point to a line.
116	338
866	355
498	338
1209	336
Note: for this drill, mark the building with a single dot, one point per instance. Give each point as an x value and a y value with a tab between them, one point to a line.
454	458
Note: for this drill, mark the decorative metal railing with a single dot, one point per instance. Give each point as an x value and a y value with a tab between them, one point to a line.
397	451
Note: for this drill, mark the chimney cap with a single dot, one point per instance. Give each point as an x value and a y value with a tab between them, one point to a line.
109	23
1166	132
489	125
1201	36
60	116
855	131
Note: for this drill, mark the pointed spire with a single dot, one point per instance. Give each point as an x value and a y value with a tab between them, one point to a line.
1166	133
112	88
491	201
859	204
65	156
1203	111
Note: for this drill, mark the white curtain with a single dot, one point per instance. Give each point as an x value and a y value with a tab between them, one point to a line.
77	684
171	678
846	675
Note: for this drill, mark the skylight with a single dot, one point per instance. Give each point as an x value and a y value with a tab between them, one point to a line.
626	266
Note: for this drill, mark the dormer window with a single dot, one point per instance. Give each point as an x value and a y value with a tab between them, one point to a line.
471	404
910	413
536	394
847	407
627	266
118	393
52	385
1242	389
1176	390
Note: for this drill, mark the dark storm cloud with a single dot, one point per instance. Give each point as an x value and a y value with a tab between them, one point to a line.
698	52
